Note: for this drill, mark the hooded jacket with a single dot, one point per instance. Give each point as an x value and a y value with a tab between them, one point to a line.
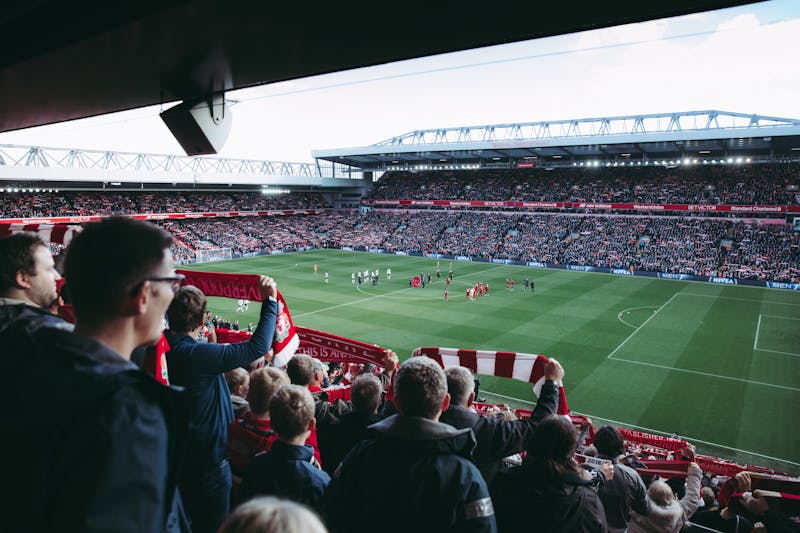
525	503
411	474
97	447
670	518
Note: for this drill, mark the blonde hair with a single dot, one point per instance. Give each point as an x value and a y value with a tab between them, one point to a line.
660	493
272	515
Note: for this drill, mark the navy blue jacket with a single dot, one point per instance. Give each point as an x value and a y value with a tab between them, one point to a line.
411	475
199	368
98	444
288	472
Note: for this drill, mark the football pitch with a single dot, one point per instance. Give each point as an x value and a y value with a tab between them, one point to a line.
719	365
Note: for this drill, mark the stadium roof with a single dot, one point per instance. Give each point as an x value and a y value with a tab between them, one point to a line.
640	139
66	60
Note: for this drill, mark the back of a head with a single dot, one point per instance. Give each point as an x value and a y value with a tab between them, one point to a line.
272	515
609	442
264	383
551	447
365	393
300	369
420	388
660	493
460	383
236	378
17	254
187	309
290	411
106	260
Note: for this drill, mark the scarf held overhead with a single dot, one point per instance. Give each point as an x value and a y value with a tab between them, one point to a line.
521	366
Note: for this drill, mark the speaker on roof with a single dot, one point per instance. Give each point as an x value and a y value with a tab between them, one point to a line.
200	126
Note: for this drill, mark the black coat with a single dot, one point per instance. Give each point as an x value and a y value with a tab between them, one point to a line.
498	438
411	475
524	503
336	440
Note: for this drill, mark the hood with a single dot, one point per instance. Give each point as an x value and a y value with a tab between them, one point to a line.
665	519
425	434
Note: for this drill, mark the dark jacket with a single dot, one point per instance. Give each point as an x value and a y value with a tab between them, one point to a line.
336	440
524	502
625	491
31	318
101	452
412	474
199	367
498	438
288	472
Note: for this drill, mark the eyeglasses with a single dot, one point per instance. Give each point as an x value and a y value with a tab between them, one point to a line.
175	281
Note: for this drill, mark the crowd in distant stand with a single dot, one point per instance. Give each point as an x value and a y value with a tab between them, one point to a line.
774	184
697	246
34	205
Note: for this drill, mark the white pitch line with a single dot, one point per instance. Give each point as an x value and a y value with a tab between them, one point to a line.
650	430
643	325
619	315
771	302
758	329
776	351
706	374
387	294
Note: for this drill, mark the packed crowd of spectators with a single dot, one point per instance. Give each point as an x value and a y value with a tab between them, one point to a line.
773	184
696	246
292	445
36	205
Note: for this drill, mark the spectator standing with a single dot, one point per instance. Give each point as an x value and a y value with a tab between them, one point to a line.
549	492
105	456
238	381
200	369
414	463
626	490
497	438
272	515
339	438
253	433
288	469
27	283
667	513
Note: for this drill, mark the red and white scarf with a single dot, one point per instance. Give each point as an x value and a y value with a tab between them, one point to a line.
521	366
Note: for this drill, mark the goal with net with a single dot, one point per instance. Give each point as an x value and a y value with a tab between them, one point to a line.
213	254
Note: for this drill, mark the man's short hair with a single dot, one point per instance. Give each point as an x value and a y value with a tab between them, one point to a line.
609	442
420	387
16	253
460	382
187	309
300	369
108	259
272	515
264	383
365	393
290	411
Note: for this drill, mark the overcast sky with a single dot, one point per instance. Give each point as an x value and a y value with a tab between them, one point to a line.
740	59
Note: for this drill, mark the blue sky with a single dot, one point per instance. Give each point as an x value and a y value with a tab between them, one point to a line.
739	59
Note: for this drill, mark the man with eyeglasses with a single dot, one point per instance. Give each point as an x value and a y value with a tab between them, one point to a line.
200	368
96	447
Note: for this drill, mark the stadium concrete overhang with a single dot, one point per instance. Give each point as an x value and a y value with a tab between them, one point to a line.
68	60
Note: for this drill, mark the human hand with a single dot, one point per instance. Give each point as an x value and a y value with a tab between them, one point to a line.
607	470
742	482
267	288
553	370
390	361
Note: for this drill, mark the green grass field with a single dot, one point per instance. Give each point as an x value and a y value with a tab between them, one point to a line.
718	364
